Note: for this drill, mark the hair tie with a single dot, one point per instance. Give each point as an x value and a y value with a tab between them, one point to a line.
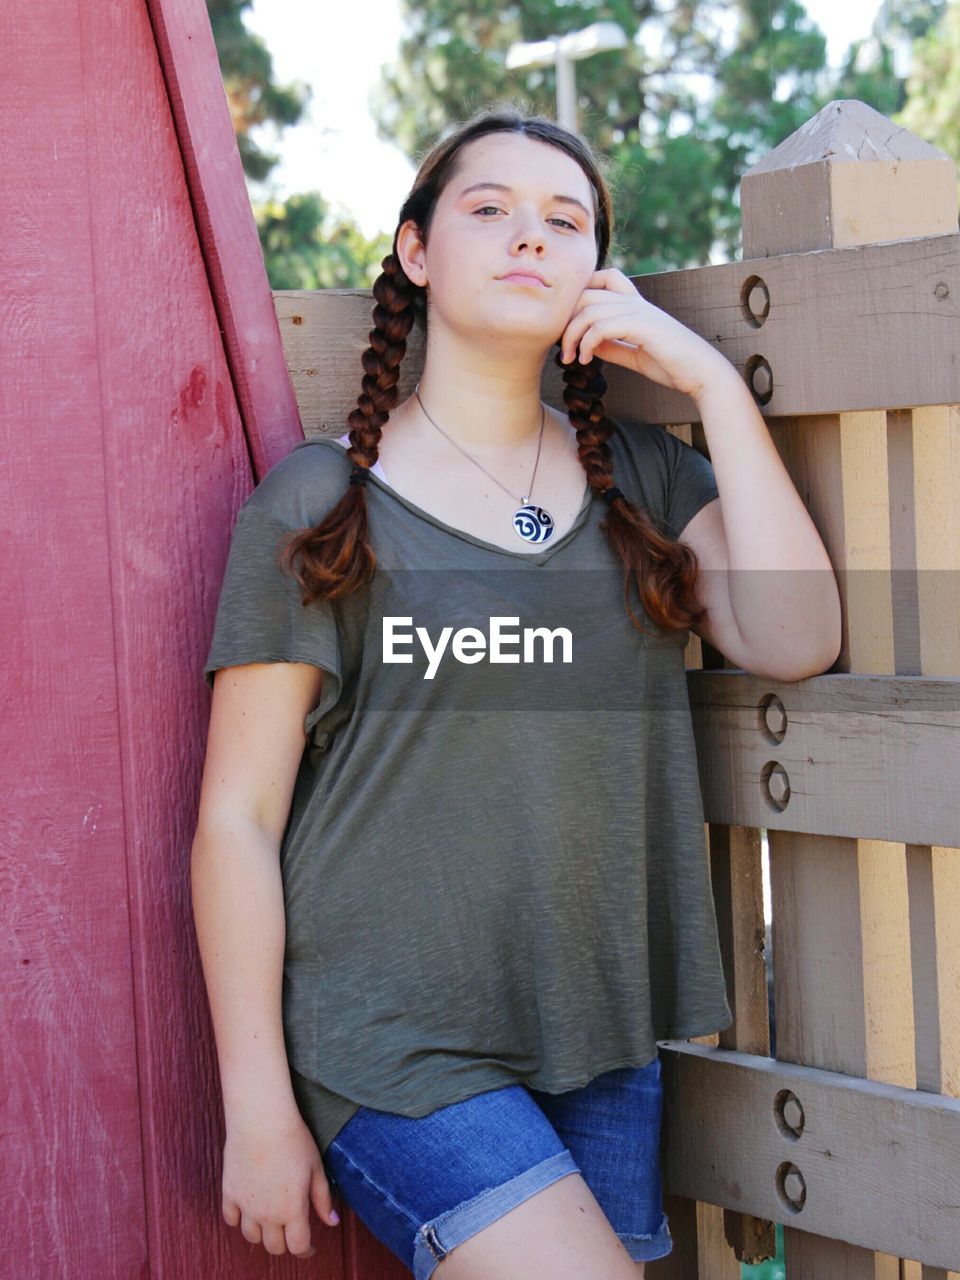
608	495
359	474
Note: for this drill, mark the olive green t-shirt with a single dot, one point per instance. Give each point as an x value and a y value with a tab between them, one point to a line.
495	866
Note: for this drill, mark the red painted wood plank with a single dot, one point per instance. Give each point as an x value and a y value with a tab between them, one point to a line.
72	1168
124	463
176	468
227	231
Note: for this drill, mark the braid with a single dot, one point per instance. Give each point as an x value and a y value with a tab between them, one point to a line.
583	390
664	569
335	556
393	318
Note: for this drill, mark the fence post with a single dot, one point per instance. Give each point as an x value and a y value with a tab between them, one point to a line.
849	995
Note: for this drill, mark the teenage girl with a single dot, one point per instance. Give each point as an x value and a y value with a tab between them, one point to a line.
445	921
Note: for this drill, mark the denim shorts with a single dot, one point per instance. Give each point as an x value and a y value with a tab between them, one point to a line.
424	1185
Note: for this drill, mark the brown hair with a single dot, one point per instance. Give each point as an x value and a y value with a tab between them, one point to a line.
336	558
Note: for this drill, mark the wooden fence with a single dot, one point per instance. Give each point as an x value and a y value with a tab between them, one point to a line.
843	318
146	391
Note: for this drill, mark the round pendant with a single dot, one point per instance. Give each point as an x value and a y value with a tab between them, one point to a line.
533	523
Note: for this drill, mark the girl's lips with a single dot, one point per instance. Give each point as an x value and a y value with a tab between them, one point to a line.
518	277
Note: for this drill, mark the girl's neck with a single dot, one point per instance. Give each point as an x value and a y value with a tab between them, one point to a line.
484	414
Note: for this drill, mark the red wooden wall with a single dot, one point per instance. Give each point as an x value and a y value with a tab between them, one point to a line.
141	372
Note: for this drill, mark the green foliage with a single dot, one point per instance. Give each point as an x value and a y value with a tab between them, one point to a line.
305	247
247	70
868	72
703	89
681	112
932	108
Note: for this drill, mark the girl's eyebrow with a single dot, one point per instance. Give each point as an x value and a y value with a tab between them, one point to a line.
500	186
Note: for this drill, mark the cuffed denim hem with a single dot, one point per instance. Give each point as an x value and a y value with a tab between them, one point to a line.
646	1248
436	1238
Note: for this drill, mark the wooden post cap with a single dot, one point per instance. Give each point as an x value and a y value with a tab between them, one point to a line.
848	176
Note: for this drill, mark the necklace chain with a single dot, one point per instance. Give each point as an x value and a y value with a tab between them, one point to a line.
523	501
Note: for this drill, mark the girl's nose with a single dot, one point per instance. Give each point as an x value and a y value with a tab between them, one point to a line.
529	234
529	240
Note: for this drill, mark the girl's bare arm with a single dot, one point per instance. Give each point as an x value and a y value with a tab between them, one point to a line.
272	1169
254	747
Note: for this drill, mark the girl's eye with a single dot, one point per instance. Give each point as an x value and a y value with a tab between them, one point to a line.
493	209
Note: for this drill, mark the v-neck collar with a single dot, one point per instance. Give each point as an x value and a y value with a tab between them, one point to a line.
537	558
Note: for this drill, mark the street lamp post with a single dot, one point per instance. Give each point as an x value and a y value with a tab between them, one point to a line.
562	52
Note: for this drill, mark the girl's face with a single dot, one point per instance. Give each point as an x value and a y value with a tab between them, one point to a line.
514	204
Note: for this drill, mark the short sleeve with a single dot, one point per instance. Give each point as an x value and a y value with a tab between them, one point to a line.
260	617
690	483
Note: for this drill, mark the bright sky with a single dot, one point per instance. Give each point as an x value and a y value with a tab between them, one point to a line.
339	50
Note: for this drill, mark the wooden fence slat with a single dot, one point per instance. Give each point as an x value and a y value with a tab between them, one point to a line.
877	1161
859	755
915	334
932	483
724	1238
837	308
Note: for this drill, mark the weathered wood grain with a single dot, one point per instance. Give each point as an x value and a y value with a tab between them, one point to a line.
877	1162
836	755
226	229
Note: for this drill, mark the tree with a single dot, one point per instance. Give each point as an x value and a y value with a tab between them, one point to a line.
307	248
247	70
869	71
304	247
932	107
676	111
680	113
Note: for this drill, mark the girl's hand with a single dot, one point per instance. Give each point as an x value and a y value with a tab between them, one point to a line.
271	1174
613	321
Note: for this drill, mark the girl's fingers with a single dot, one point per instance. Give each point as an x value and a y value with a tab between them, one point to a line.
612	279
600	297
274	1240
250	1229
597	333
297	1236
322	1198
588	319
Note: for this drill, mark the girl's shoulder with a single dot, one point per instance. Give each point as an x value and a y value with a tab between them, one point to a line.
670	477
302	487
641	460
641	443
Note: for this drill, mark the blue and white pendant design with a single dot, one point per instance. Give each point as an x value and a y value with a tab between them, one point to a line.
533	523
